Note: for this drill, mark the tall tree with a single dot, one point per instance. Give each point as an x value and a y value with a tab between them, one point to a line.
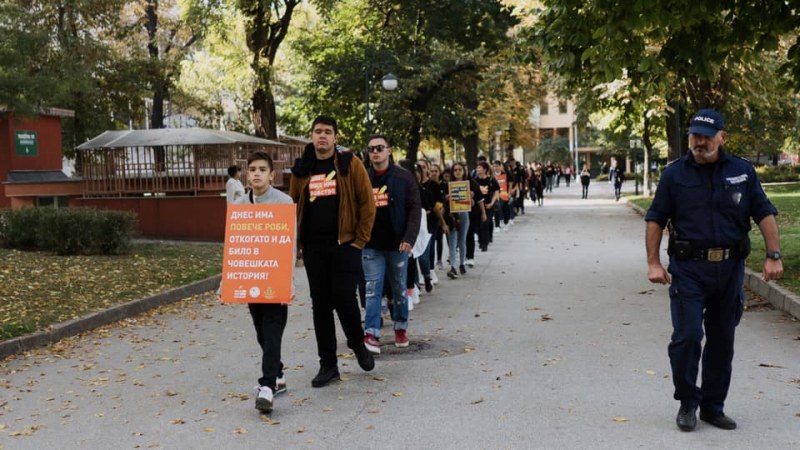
170	28
437	51
66	54
680	50
267	23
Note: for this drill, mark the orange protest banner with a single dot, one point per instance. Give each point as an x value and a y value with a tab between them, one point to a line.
459	196
258	261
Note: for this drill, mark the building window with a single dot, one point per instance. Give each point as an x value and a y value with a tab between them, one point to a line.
543	108
562	107
52	202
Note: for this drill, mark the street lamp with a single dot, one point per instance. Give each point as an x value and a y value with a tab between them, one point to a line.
635	143
388	82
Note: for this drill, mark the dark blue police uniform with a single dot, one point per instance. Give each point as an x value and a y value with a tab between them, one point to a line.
709	206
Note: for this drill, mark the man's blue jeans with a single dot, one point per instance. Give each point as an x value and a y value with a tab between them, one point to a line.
379	265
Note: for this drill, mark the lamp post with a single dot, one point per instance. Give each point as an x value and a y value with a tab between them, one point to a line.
389	83
635	143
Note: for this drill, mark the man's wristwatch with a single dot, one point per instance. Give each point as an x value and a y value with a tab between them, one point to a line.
774	255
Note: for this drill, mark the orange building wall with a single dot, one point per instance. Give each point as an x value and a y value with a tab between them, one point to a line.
49	155
183	218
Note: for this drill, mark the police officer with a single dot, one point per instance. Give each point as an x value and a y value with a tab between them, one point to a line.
708	197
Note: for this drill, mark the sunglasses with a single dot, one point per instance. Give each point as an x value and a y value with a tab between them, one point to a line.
375	148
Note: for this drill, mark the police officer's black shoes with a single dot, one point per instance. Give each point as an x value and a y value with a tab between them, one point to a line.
719	420
687	418
325	376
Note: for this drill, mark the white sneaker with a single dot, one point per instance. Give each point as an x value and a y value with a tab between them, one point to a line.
470	263
412	295
264	399
439	265
511	222
434	277
498	229
280	384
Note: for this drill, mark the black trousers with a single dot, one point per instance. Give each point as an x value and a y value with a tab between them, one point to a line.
333	274
473	229
269	320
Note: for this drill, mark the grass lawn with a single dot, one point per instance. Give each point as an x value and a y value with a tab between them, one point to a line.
39	289
785	197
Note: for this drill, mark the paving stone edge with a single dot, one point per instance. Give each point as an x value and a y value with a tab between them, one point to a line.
114	314
780	298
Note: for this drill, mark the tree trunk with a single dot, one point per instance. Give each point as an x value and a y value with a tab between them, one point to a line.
264	115
414	137
675	136
471	149
646	150
157	82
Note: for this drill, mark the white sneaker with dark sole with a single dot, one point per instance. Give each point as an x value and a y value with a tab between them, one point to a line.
264	399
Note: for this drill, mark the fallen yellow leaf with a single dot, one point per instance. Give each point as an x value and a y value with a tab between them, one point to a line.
620	419
240	430
397	394
208	429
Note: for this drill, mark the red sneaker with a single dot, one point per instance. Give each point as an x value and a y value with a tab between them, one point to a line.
372	344
400	338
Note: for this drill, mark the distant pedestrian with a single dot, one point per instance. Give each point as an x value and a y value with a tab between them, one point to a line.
708	197
438	236
269	319
490	191
234	190
585	178
335	213
619	178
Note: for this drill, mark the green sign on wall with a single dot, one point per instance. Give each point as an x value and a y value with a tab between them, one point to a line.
27	143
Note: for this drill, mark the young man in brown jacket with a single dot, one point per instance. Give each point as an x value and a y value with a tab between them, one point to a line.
335	212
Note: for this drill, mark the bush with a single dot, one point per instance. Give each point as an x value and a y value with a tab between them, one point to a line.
19	228
67	231
778	174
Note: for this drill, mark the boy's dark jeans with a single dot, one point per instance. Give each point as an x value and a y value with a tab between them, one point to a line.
269	320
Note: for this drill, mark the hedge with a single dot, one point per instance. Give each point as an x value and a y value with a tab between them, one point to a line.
778	174
67	231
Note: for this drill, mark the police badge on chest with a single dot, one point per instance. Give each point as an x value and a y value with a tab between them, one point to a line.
735	182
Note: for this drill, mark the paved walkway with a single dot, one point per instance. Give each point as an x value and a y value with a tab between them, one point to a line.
554	340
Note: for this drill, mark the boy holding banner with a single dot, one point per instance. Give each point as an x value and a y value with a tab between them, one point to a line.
269	319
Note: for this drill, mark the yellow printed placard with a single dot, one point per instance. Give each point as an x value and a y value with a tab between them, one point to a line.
258	261
459	196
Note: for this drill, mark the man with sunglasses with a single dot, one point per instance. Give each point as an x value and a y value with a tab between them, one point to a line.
397	222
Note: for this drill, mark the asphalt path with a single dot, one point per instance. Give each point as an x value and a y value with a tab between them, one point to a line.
554	340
